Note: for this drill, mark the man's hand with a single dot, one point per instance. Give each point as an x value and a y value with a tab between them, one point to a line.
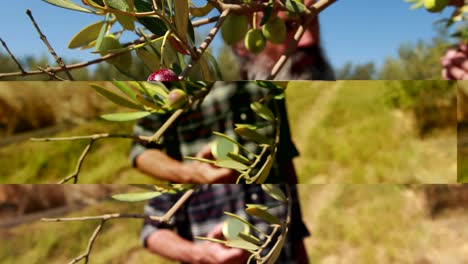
455	63
202	172
215	253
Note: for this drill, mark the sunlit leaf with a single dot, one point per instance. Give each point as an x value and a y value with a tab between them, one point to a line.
222	146
274	191
126	21
122	86
232	227
68	5
117	99
242	244
86	35
239	158
123	117
230	164
250	238
263	111
252	135
135	197
262	214
276	251
265	170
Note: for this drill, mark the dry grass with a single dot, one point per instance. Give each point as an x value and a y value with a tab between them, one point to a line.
27	106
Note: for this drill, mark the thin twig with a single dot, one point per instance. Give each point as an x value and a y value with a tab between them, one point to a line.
49	47
206	43
92	139
205	21
103	218
74	175
13	57
69	67
51	74
92	239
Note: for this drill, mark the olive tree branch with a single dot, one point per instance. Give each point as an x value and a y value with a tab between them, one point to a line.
93	138
285	226
49	47
84	153
206	43
13	57
92	239
103	218
51	74
204	21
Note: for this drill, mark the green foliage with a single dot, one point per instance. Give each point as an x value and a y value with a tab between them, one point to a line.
418	61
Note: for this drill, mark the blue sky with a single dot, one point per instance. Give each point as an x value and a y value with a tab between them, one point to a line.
352	30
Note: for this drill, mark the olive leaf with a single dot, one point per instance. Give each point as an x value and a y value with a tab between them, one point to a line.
242	244
239	158
222	146
86	35
123	87
68	5
268	11
276	251
231	164
250	238
263	111
150	59
265	170
252	135
263	214
126	21
115	98
135	197
274	191
182	17
153	24
123	117
294	6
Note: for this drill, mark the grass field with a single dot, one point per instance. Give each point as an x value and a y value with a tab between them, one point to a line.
345	132
349	224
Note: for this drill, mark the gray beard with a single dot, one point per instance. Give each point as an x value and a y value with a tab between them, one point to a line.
259	68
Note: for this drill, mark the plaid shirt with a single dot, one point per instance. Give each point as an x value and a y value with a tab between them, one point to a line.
227	104
205	209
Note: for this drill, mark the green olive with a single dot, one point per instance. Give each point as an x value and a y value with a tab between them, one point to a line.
234	28
255	41
435	5
275	31
177	98
110	42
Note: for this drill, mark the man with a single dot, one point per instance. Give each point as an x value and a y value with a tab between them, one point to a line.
191	136
226	104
